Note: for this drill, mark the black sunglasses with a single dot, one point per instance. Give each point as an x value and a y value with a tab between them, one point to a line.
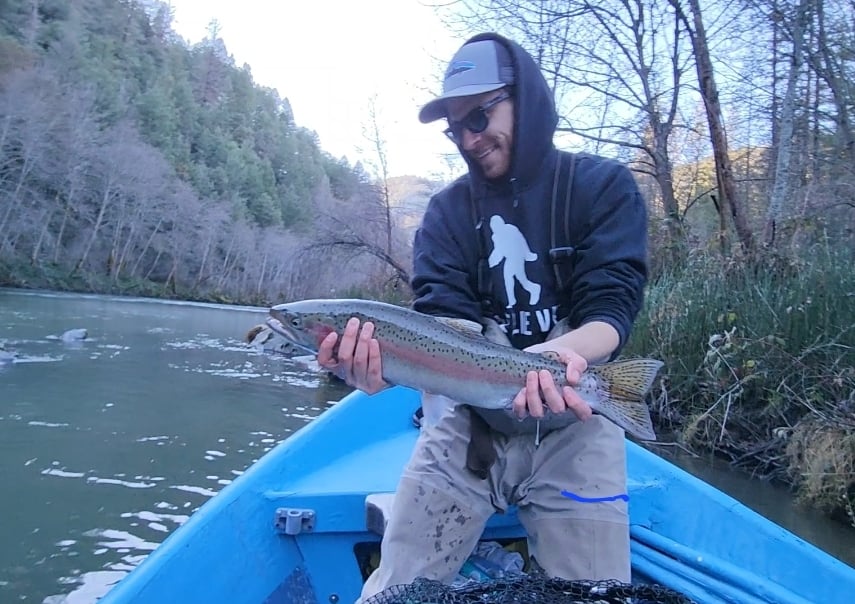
476	121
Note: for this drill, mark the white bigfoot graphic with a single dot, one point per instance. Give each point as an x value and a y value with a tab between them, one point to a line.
510	245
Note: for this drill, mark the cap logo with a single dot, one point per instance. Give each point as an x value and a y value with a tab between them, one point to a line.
459	67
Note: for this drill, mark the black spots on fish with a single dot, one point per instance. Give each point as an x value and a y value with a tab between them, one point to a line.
461	519
456	542
421	491
438	532
445	453
437	546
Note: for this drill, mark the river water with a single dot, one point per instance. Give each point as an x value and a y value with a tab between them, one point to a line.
108	445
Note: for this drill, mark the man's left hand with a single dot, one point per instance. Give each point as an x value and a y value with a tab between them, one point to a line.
541	392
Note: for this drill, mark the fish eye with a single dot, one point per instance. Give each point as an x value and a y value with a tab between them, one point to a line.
295	321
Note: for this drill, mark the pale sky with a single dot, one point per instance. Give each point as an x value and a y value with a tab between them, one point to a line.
329	58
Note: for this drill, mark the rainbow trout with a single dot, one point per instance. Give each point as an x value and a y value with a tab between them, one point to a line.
452	358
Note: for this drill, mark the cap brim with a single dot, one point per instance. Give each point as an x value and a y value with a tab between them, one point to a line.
435	109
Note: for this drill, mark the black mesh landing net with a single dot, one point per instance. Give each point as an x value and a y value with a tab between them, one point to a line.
528	589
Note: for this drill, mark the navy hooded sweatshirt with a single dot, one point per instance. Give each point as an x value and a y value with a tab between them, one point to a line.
608	228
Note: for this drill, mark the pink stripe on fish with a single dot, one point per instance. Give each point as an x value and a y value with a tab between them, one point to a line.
447	367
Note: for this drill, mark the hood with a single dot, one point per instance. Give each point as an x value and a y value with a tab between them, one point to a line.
534	115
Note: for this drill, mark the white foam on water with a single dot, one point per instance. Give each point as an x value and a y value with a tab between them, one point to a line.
302	416
118	540
159	330
197	490
156	526
124	483
196	344
62	473
232	373
37	359
296	380
146	439
92	586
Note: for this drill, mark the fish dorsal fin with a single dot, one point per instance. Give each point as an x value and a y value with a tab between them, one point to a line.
551	355
489	329
494	333
464	326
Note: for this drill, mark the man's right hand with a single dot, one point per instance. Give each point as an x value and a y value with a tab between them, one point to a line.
358	362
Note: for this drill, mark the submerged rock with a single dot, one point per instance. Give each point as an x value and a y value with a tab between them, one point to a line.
263	338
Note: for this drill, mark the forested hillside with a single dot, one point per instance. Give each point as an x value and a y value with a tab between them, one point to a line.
131	161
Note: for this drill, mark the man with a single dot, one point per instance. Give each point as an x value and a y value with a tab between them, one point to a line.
566	476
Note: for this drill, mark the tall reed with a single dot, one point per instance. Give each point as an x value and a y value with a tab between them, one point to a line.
758	355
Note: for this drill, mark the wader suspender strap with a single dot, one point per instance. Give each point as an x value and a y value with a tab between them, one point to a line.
484	280
561	255
480	454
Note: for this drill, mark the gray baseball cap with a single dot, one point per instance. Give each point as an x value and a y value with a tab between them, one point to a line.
477	67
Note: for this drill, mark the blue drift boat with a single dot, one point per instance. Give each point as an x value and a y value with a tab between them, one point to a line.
295	527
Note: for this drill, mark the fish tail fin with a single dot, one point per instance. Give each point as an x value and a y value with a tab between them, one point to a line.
625	385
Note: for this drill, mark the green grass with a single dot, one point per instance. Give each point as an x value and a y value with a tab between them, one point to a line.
757	355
